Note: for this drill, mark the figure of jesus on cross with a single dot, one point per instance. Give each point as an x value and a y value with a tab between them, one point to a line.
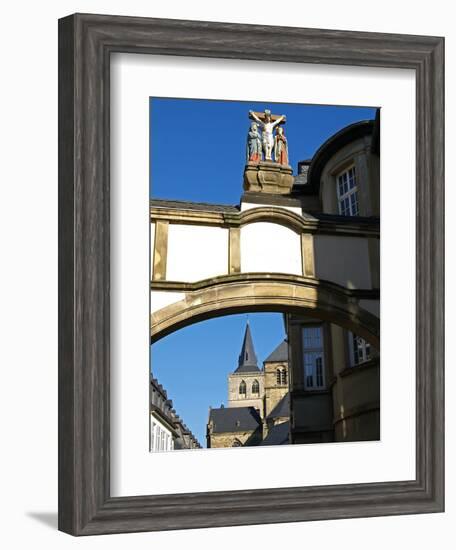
267	122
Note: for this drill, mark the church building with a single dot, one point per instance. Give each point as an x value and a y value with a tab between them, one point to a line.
258	401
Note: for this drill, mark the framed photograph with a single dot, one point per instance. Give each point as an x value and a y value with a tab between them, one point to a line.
243	211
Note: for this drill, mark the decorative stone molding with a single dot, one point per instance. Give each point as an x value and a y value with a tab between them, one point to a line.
357	411
234	250
265	292
268	177
308	255
160	252
273	214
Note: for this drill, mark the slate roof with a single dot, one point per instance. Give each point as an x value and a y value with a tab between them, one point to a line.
279	354
278	435
333	144
247	361
301	177
187	205
234	419
282	408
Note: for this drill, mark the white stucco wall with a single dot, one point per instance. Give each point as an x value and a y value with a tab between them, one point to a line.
163	298
342	260
271	248
196	252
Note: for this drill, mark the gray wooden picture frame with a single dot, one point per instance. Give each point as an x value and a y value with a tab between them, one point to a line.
85	45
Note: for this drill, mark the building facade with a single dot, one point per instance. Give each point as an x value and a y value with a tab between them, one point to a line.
167	430
335	378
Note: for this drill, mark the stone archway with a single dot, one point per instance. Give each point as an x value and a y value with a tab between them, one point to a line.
266	292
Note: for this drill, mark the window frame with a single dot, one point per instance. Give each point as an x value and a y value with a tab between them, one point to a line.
314	350
351	192
351	351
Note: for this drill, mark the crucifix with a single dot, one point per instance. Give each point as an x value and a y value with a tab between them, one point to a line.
267	121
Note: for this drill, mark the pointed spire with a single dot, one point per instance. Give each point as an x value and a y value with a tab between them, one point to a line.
247	359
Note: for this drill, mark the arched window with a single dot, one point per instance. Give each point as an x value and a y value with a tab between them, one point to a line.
255	387
279	376
242	389
284	377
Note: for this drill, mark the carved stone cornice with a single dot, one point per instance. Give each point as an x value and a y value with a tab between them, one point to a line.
273	214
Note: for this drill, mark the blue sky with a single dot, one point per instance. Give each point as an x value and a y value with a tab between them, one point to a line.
197	147
193	363
197	153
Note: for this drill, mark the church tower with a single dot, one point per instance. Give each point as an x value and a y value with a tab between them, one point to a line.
246	383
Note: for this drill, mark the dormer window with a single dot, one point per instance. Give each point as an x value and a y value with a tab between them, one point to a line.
347	192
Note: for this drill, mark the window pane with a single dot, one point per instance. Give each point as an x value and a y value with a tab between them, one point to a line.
313	369
340	187
361	350
351	177
307	333
347	193
312	337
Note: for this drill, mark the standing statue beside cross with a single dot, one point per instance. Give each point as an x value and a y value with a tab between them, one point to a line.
270	143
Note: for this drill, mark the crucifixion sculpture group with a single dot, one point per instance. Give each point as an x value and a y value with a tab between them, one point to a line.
262	143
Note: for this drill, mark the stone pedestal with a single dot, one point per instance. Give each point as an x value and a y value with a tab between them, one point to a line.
268	177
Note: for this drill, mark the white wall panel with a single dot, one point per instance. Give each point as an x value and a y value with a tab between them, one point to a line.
270	247
162	298
196	253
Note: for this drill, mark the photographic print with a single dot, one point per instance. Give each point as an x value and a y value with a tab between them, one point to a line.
265	274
